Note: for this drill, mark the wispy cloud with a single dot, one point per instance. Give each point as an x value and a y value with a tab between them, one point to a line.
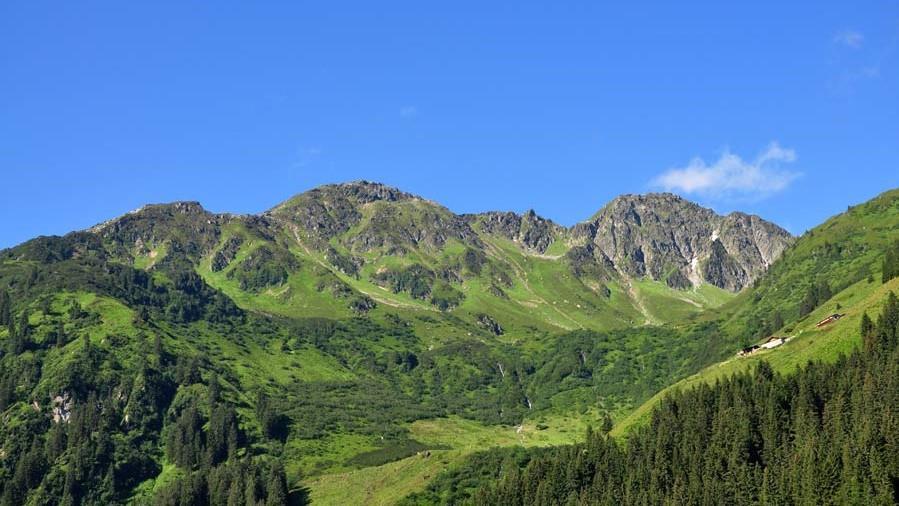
731	176
408	111
849	38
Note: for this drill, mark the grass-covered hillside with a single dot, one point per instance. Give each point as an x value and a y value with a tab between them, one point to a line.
175	356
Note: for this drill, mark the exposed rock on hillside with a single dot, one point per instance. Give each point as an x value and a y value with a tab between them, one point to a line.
188	230
385	217
530	230
666	237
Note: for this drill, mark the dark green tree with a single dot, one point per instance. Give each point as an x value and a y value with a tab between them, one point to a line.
60	334
214	390
185	442
5	308
777	321
277	486
274	424
607	423
890	267
867	331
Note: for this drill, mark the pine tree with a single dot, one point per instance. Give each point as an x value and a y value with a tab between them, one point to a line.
867	332
19	334
277	486
56	441
222	437
235	495
214	390
5	308
808	304
185	441
187	371
24	331
777	321
157	347
607	424
251	492
824	292
274	425
60	334
890	268
75	311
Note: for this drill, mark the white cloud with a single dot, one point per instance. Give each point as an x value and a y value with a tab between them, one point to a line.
849	38
408	111
731	176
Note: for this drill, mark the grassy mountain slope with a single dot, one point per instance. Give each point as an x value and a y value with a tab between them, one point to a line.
313	341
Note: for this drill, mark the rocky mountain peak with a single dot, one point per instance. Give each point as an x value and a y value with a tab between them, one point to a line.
155	212
530	230
384	217
355	193
364	192
666	237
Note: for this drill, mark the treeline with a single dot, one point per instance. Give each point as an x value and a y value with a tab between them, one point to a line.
827	434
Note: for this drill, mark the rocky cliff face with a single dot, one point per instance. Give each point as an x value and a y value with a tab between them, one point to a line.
531	231
665	237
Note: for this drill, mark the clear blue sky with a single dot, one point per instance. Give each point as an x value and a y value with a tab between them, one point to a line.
786	109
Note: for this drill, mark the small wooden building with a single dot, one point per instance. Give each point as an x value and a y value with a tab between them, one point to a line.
830	319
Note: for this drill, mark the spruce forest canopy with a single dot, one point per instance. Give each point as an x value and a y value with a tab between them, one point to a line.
357	344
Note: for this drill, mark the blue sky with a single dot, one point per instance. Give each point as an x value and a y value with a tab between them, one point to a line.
785	109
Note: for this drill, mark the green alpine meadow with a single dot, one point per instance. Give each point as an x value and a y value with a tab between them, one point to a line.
358	344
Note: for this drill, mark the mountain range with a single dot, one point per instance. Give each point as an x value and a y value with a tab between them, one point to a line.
356	333
368	243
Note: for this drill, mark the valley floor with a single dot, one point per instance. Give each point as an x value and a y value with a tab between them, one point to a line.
388	483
